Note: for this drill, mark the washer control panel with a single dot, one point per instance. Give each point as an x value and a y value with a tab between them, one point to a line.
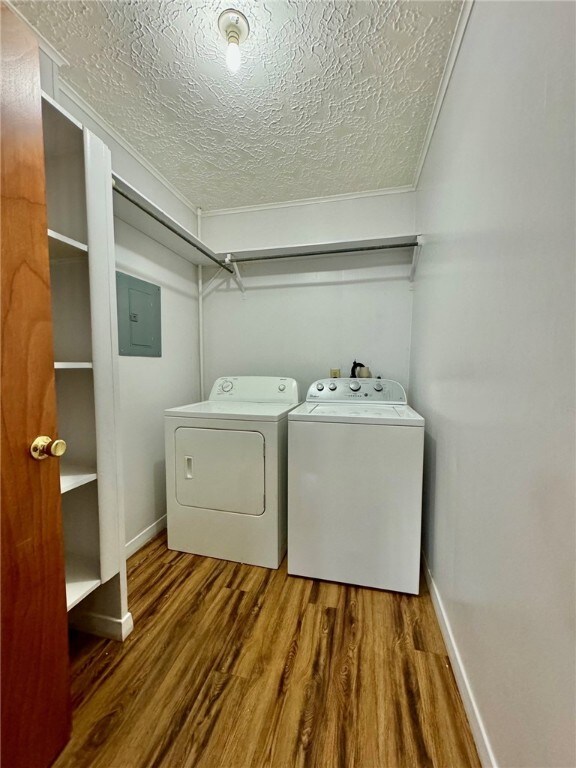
255	389
357	390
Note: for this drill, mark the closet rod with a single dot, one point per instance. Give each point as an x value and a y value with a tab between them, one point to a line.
333	252
195	244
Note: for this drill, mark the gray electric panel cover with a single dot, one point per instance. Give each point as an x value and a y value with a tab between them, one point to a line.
139	327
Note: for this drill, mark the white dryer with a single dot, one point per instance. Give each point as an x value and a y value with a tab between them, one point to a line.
226	464
355	453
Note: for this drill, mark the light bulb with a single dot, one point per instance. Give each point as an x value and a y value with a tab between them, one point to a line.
233	56
234	28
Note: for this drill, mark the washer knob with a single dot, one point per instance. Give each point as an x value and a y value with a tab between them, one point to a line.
332	387
226	386
319	386
281	387
378	387
354	386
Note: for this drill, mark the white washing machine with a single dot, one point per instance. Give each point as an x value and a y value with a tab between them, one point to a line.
355	451
226	464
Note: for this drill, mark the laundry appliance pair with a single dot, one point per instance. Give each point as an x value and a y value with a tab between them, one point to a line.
349	460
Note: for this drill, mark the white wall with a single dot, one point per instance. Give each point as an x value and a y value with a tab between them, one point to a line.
150	385
301	317
493	373
310	222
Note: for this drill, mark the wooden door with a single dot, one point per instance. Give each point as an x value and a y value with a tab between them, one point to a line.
35	681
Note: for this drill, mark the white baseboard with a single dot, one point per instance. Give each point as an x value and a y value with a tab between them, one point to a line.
144	536
481	739
103	626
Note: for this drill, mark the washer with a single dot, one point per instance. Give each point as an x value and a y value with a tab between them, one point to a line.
355	453
226	467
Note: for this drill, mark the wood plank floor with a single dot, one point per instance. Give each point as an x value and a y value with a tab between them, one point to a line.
232	666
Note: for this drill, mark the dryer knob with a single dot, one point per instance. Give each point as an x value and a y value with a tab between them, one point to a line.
226	386
319	386
354	386
378	387
332	387
281	387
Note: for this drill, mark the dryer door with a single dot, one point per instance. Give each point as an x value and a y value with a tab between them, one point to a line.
220	469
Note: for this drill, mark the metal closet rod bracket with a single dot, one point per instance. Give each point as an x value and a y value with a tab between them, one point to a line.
147	206
415	257
205	290
237	276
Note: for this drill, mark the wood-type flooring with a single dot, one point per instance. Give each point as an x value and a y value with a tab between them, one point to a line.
232	666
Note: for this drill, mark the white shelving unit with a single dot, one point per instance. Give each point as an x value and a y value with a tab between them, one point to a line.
82	273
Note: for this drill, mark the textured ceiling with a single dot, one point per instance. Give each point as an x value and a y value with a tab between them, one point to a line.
333	97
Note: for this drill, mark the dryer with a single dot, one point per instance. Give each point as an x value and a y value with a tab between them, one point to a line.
355	485
226	465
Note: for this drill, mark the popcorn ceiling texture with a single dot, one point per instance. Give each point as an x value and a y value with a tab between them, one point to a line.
333	97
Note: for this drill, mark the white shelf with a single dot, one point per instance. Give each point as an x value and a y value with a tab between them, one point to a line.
81	579
137	210
74	475
71	366
351	248
62	247
157	224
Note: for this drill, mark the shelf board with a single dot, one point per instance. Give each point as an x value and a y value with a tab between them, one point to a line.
60	366
352	248
82	577
74	475
62	247
156	225
137	210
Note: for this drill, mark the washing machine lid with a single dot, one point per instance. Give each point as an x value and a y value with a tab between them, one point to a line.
392	415
208	409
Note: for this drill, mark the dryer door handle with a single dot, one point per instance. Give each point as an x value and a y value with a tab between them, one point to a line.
189	473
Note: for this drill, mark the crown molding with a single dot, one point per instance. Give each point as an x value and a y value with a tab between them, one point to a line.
308	201
43	44
461	25
70	93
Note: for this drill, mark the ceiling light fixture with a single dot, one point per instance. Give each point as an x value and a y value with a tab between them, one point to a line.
234	28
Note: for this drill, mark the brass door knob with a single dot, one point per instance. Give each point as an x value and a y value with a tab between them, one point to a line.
44	446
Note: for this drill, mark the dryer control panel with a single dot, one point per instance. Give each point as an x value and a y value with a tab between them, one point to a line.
255	389
357	390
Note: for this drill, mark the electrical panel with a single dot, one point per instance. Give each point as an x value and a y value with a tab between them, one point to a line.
139	324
